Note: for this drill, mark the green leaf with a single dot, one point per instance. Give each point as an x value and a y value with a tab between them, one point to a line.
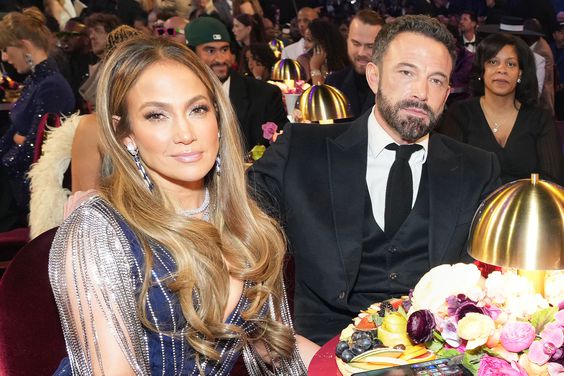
471	360
379	320
447	353
402	311
540	318
436	344
257	151
437	336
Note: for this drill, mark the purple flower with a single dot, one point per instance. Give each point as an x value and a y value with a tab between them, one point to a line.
467	307
269	130
420	326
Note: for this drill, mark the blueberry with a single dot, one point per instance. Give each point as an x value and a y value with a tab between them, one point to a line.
377	343
357	335
364	343
356	349
341	346
387	306
347	356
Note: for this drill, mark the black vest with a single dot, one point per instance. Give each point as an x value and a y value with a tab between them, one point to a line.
391	267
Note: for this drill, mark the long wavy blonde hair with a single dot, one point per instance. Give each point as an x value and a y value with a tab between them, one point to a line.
241	240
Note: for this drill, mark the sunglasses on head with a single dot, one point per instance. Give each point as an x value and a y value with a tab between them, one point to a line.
170	31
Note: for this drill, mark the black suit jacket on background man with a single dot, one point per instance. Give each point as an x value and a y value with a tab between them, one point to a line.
255	102
315	178
344	80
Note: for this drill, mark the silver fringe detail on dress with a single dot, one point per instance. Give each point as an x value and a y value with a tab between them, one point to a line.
90	260
93	272
293	366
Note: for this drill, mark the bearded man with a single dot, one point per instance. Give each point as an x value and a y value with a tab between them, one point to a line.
370	206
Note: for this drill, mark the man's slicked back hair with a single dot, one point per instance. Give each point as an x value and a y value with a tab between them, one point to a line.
418	24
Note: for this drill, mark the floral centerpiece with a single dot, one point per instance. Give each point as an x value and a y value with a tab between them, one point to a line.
291	86
292	91
496	323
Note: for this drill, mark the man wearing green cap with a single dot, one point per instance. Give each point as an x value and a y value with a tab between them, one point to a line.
255	102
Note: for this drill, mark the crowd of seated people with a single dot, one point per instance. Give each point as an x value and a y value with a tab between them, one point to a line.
503	93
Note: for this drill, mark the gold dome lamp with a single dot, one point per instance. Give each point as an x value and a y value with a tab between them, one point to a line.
323	104
276	45
288	71
521	225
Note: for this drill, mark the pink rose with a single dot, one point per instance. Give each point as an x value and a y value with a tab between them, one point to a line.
269	130
517	336
492	366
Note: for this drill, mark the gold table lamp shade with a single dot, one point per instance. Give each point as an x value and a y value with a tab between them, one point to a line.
521	225
276	45
323	104
287	69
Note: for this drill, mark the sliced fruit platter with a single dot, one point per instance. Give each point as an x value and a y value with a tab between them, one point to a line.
377	339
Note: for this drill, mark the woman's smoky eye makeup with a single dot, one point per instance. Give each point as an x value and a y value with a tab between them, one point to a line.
198	109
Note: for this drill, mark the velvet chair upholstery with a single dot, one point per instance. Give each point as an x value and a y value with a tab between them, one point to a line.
31	338
10	243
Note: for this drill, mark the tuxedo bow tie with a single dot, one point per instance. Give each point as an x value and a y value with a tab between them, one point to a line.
469	44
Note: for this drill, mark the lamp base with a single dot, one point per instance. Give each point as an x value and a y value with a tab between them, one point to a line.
536	278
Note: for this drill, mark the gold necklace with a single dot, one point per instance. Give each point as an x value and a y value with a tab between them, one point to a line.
496	125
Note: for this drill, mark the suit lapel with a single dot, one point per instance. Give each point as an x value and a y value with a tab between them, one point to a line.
445	193
239	97
352	94
347	174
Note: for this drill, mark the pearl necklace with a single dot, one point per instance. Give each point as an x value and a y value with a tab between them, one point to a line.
495	127
201	209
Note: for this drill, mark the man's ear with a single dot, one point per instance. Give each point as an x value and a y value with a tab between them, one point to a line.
373	76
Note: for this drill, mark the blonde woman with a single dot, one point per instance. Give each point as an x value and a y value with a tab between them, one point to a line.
172	268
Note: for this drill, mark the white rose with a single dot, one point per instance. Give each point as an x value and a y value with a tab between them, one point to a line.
443	281
554	286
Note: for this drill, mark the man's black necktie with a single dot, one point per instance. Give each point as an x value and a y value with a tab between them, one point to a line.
466	44
399	189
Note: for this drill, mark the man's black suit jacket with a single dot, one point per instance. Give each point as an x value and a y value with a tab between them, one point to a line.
255	102
314	178
344	80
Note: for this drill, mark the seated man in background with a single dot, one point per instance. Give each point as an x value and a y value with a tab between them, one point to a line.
370	206
363	29
304	17
255	102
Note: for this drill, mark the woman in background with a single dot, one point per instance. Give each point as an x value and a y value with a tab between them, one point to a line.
260	59
250	7
25	42
182	268
247	29
327	51
504	117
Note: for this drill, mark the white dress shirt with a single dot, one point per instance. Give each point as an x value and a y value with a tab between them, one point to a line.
470	47
540	63
226	85
294	50
379	162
